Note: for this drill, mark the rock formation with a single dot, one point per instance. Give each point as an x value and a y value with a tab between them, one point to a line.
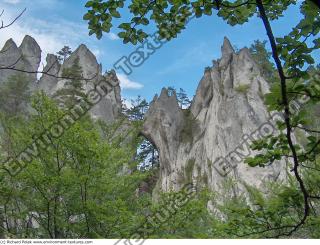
207	143
27	57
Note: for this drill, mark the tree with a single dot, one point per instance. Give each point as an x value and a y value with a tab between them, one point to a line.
147	154
73	90
171	91
14	109
137	109
262	57
292	55
64	53
183	99
73	188
15	95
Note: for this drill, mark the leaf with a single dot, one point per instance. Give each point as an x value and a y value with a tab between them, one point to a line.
115	13
99	34
122	34
87	16
89	4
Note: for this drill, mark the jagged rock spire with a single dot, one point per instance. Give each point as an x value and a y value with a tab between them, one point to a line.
10	44
48	83
226	48
31	52
28	56
228	106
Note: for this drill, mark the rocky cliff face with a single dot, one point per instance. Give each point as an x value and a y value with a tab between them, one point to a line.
27	57
207	143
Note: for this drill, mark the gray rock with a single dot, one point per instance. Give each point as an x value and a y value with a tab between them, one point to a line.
10	56
27	57
31	53
228	105
109	107
87	60
49	81
163	127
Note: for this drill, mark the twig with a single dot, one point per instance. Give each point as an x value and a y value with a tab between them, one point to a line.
13	21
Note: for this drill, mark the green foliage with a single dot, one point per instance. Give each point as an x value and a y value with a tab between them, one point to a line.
190	220
293	48
182	97
269	215
64	53
277	214
169	17
73	91
262	57
74	188
137	109
242	88
78	187
15	95
147	153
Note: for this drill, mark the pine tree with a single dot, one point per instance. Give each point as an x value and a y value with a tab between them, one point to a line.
171	90
64	53
183	99
14	95
73	90
147	153
262	57
137	110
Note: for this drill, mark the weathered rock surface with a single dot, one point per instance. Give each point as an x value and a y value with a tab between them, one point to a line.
198	144
49	82
31	53
195	144
27	57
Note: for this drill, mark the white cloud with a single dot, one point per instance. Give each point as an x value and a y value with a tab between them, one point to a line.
126	83
12	1
51	36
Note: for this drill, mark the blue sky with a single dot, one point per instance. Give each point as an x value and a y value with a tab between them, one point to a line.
179	63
